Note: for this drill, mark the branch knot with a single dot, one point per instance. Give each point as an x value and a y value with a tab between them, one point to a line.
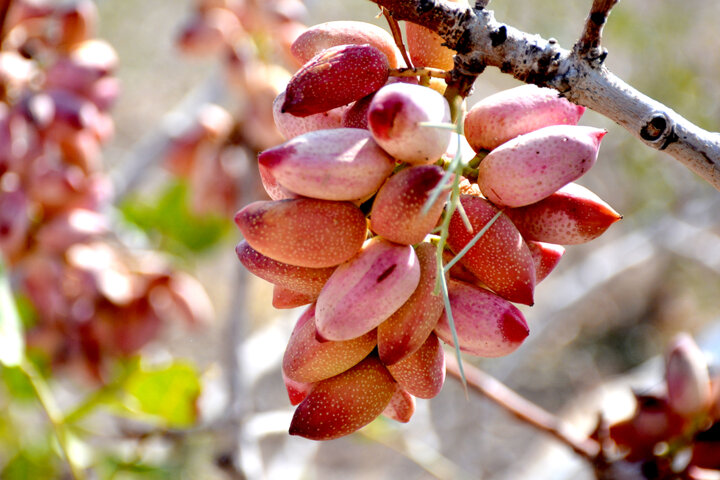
424	6
658	129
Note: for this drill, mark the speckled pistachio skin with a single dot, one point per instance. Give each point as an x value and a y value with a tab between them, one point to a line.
500	259
408	328
401	406
344	32
570	216
291	126
336	164
335	77
301	279
395	116
365	291
516	111
422	373
546	257
397	209
487	325
531	167
309	360
342	404
305	232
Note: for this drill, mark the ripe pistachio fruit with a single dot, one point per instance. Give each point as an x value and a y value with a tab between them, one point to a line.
401	406
427	48
500	259
337	164
355	116
330	34
335	77
422	373
297	391
308	360
406	329
546	257
486	324
342	404
291	126
397	211
303	231
274	190
571	215
301	279
516	111
284	298
395	116
364	291
531	167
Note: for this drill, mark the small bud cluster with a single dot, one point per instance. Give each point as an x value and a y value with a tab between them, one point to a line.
91	298
374	211
676	430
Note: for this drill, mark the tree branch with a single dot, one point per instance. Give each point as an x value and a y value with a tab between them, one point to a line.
524	410
397	36
589	43
4	8
480	40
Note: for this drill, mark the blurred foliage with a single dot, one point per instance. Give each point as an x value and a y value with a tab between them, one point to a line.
168	220
17	385
169	393
37	461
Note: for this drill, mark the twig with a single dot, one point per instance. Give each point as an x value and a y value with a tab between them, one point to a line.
480	40
424	456
525	410
96	398
418	72
4	8
589	43
54	415
397	36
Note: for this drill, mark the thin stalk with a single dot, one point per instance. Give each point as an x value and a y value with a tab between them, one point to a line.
425	72
96	399
524	409
426	457
397	35
54	415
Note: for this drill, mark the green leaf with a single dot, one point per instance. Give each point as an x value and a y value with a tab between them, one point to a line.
12	343
31	463
169	393
170	219
17	384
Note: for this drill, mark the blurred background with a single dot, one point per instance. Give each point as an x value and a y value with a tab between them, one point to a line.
161	357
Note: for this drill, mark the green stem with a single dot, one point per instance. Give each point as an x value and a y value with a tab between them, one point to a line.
97	398
93	400
455	101
47	402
